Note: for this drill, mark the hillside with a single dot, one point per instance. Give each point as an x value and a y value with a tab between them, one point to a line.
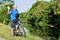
5	33
36	19
43	19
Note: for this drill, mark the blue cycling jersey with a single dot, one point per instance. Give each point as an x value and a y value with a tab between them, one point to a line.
13	14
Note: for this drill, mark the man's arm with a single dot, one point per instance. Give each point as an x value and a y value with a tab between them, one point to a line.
9	10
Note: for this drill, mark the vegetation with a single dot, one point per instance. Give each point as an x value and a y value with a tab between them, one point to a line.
42	19
4	17
6	34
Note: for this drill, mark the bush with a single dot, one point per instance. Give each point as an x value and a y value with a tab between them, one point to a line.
43	19
4	17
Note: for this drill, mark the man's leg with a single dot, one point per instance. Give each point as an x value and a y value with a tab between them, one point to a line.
12	31
19	30
12	28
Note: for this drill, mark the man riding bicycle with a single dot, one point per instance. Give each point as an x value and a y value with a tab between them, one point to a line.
14	18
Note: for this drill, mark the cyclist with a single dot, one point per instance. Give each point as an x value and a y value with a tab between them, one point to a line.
14	18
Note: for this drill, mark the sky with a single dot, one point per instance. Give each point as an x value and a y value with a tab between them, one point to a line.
48	0
24	5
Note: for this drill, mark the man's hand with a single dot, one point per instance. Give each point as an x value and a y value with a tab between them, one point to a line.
8	8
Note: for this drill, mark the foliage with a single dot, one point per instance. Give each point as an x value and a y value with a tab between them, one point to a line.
6	34
4	17
43	19
37	18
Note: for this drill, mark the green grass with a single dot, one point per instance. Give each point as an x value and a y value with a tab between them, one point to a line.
5	33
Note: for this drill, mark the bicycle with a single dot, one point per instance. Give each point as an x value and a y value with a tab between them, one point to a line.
20	26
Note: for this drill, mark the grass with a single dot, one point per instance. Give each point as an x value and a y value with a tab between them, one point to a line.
5	33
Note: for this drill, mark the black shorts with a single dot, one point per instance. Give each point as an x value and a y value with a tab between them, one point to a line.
13	23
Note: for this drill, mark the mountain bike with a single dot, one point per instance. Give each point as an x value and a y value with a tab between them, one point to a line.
20	26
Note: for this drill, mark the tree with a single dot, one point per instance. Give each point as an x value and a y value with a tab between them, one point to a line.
4	17
43	19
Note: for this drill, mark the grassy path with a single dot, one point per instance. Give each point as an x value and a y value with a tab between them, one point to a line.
2	38
5	33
